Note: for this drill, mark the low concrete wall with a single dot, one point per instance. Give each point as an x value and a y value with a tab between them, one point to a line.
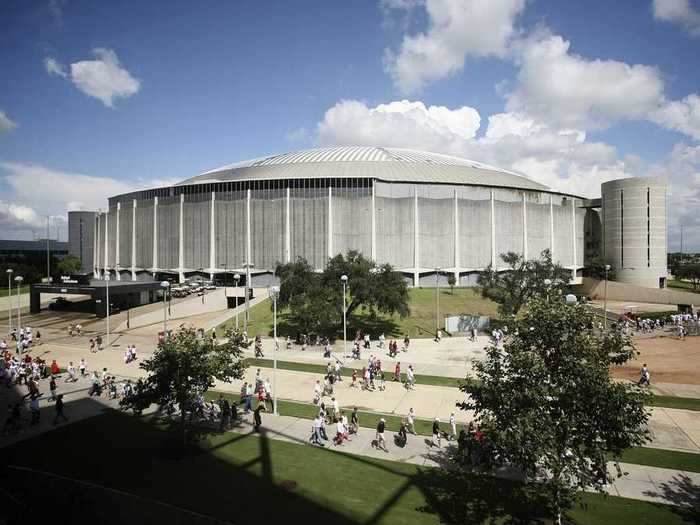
629	292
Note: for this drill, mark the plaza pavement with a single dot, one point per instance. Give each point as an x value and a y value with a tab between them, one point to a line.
638	482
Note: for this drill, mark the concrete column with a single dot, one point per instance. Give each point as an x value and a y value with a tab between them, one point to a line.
493	231
106	254
374	227
133	241
416	244
181	242
524	226
117	262
155	235
247	231
330	222
287	229
573	234
95	244
212	237
456	241
551	226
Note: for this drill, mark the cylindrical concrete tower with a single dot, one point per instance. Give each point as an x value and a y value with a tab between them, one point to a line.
634	230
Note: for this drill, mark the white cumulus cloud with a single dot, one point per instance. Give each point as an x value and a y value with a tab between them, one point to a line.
456	29
6	123
564	89
54	67
678	12
104	78
560	158
680	115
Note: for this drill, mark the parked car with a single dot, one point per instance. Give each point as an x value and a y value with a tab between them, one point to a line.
59	303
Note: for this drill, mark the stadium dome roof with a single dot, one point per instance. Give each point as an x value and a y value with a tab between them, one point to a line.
388	164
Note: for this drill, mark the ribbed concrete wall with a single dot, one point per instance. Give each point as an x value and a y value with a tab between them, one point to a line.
414	227
634	229
81	237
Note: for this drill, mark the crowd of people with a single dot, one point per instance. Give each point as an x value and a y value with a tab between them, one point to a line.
24	339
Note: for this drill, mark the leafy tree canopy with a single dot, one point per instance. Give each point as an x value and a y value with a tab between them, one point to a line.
69	265
596	269
315	300
548	406
689	272
183	368
522	280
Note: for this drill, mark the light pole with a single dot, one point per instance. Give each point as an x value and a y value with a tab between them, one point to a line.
107	281
274	293
19	280
236	278
165	285
437	301
9	298
605	300
246	318
344	280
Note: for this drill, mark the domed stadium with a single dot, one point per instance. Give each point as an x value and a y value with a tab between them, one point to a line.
415	210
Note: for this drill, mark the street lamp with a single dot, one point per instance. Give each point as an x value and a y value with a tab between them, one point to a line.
605	300
274	293
236	278
9	298
107	280
248	266
437	301
19	280
165	285
344	280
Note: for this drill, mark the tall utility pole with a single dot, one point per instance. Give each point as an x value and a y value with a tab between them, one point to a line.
437	300
681	257
48	252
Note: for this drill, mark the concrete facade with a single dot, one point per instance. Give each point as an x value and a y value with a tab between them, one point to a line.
634	230
81	237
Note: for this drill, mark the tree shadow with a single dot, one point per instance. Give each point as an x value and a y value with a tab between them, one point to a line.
683	493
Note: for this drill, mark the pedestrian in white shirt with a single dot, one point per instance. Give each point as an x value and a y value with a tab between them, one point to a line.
453	426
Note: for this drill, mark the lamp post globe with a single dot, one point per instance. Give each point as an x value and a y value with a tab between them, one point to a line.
344	280
19	280
165	285
236	278
605	303
9	272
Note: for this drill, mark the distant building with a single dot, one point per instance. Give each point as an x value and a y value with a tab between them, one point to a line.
81	237
11	249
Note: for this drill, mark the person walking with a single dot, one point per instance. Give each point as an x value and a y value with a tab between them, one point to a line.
381	442
644	376
248	397
71	373
257	419
52	388
354	421
34	409
397	371
82	367
410	420
436	433
453	426
410	378
59	410
316	437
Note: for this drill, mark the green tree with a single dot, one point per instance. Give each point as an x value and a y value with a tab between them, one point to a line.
548	406
451	281
522	280
69	265
184	367
596	269
314	300
688	272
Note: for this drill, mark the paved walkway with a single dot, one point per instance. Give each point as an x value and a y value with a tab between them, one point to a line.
638	482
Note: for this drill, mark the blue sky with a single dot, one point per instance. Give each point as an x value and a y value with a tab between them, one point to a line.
581	92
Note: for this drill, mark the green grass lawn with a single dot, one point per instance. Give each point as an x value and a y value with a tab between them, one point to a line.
24	289
682	285
685	403
247	479
420	323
